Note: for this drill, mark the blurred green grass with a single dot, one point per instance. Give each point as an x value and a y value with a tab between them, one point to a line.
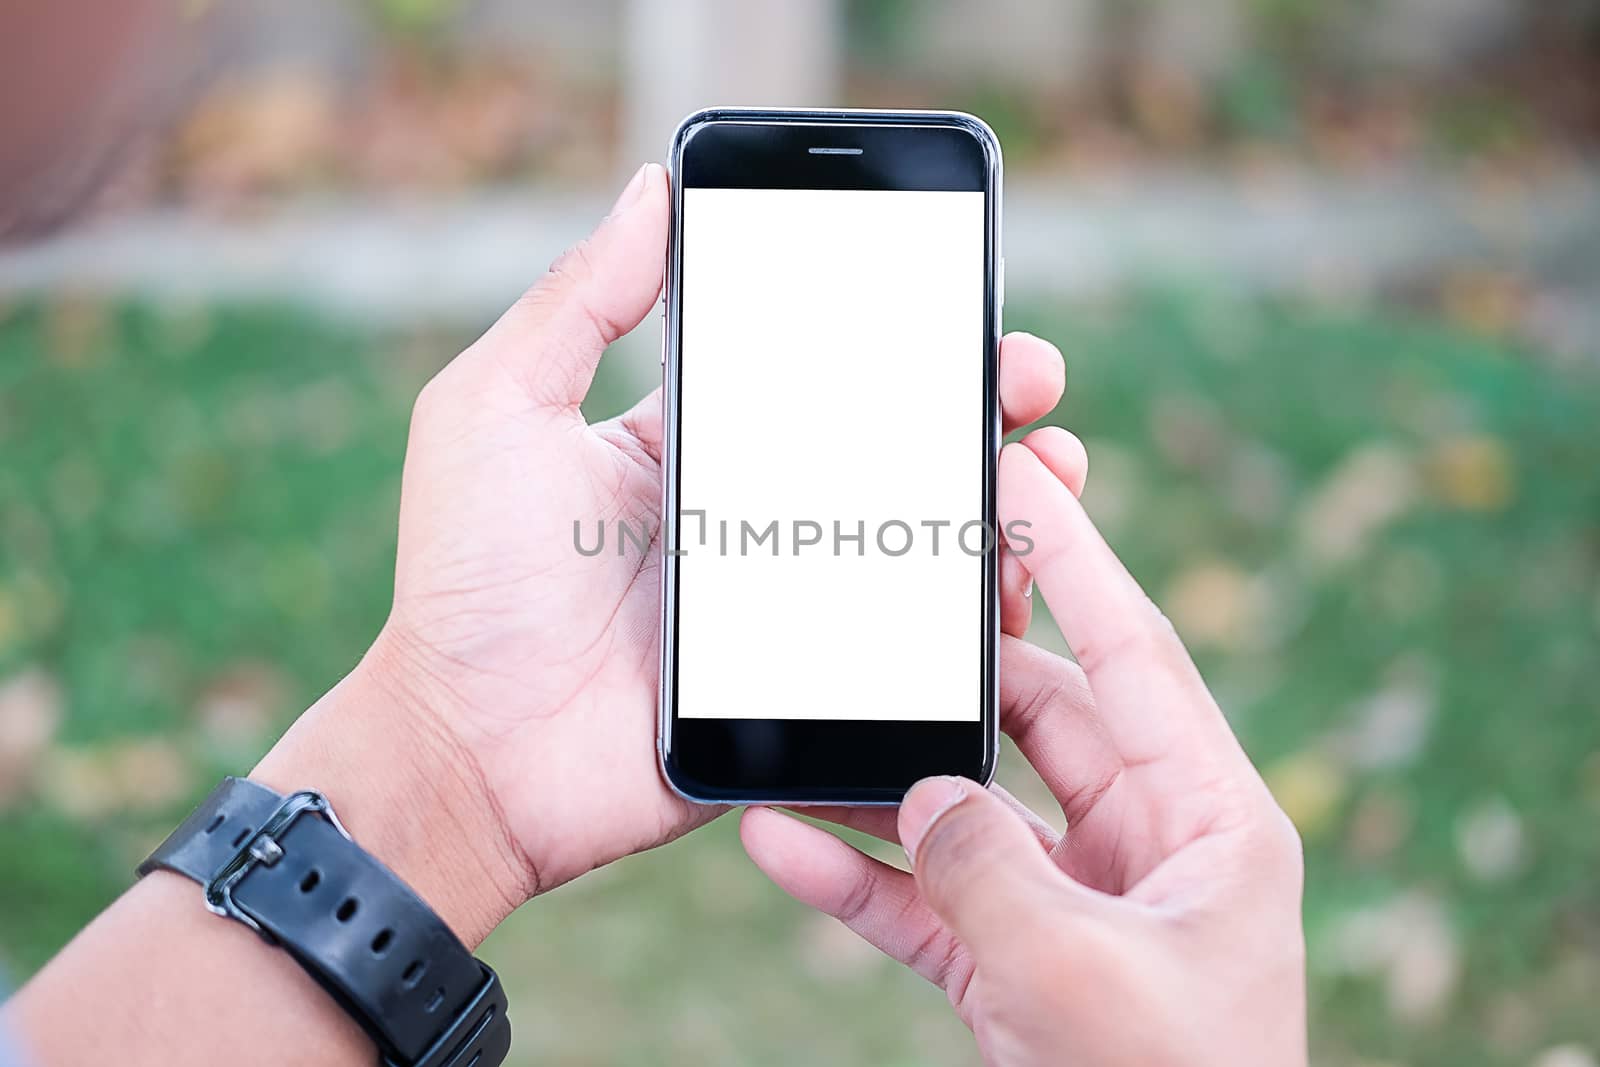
1381	536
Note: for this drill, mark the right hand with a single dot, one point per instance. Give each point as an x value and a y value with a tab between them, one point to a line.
1164	926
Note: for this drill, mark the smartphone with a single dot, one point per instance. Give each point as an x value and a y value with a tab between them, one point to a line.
832	427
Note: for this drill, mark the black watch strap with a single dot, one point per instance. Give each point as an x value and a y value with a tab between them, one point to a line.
285	867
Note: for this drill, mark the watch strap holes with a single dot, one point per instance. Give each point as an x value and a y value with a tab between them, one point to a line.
347	909
381	943
239	838
310	880
217	821
413	973
435	999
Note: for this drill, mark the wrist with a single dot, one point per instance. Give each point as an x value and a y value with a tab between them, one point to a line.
408	791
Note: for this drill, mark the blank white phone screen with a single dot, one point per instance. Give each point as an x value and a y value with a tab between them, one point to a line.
831	452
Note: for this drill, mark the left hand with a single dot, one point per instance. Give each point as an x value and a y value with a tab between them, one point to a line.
506	714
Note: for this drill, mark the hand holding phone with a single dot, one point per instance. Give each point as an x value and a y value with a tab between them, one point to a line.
1164	926
517	674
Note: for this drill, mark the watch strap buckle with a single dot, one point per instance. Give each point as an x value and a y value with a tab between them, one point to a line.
372	967
263	848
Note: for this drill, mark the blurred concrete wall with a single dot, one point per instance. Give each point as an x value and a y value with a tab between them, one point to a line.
1058	42
1421	35
671	56
679	55
1050	45
753	49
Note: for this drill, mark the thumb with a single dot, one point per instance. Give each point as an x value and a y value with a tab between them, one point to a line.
980	867
597	291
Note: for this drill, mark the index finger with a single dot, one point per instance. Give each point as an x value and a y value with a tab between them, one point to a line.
1155	707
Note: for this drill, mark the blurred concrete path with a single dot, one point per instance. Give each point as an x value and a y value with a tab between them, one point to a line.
466	257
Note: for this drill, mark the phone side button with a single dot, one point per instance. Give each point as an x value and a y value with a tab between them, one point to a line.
663	339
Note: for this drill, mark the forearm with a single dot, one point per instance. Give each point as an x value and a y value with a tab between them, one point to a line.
157	979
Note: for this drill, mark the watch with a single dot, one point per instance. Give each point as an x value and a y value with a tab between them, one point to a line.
285	867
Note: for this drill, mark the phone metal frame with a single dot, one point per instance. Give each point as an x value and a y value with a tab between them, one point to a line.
994	300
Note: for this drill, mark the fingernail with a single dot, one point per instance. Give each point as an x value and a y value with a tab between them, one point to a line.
925	805
632	191
1027	590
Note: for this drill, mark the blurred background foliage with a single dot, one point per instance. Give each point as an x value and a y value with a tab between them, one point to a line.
1363	485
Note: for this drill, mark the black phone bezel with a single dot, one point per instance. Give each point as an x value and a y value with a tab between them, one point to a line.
827	761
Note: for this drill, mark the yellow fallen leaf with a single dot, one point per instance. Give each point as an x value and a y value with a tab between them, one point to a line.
143	775
1217	603
1487	302
1472	472
77	330
1309	786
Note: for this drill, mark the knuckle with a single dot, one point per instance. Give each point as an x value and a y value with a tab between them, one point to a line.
1056	687
445	398
1097	652
1161	638
1083	797
936	954
429	402
1276	845
562	281
1044	699
569	287
572	269
1150	640
538	299
1285	845
857	898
